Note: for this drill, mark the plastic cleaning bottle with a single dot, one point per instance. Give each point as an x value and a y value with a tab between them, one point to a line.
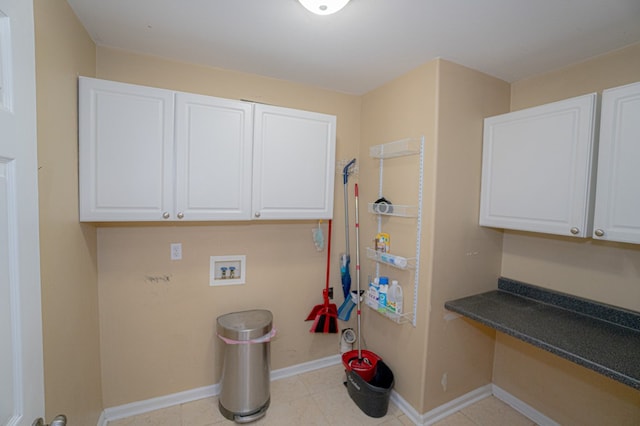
398	261
394	299
372	294
382	294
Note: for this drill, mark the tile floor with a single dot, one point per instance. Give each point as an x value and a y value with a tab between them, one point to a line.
320	398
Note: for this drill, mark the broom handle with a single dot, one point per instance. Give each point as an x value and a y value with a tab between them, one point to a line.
345	180
328	257
346	219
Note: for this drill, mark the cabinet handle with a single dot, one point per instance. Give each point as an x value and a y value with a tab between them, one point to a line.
599	233
575	230
180	215
166	215
257	214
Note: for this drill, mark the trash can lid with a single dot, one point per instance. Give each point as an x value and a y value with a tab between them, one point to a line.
245	325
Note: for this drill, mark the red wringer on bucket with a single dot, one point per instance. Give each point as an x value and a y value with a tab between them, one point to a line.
361	361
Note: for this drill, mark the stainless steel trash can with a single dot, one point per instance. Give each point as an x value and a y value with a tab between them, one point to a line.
244	395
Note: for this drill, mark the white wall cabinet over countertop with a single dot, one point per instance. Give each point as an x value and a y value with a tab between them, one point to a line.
537	168
617	211
149	154
540	172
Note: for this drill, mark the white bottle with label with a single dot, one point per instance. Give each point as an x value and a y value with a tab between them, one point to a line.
372	295
394	299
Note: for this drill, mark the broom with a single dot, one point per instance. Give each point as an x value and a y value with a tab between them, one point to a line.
325	316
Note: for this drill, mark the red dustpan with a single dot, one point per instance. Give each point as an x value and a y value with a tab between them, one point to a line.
325	316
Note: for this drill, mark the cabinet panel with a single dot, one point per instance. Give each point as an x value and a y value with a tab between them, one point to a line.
125	155
222	163
537	164
213	158
293	164
617	212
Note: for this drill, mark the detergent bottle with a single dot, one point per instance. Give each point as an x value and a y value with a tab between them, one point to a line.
372	294
394	300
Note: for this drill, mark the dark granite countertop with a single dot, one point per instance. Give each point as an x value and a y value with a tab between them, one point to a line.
600	337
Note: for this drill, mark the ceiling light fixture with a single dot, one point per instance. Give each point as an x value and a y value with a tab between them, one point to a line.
324	7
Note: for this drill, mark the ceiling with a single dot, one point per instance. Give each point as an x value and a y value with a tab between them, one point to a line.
369	42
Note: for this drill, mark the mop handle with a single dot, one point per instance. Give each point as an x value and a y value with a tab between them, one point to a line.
358	272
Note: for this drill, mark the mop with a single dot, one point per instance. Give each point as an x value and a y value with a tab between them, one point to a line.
361	361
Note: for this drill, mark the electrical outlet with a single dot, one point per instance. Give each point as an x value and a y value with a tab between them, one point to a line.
176	251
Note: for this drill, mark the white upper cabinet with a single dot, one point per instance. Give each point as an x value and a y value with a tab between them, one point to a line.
537	168
617	211
293	163
213	158
126	151
150	154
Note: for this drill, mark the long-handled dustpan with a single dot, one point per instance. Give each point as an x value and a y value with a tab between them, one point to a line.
325	316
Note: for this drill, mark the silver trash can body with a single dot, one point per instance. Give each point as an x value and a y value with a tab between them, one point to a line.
244	394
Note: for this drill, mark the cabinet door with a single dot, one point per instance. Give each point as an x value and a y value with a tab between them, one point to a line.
213	158
537	168
125	151
617	212
293	164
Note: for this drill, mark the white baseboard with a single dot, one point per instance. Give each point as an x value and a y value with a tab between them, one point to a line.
522	407
445	410
305	367
425	419
466	400
102	421
141	407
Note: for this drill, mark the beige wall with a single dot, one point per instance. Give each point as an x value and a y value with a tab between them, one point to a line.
403	108
158	337
603	271
612	69
68	249
439	359
118	65
566	392
466	257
